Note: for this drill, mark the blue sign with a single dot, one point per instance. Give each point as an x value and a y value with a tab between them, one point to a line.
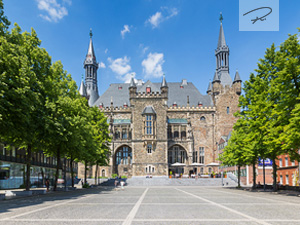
268	162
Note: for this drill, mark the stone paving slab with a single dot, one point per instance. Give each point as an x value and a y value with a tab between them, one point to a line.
153	205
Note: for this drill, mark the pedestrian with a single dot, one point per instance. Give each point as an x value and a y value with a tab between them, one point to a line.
47	184
116	183
122	184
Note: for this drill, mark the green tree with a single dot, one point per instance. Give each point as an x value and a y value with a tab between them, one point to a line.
24	67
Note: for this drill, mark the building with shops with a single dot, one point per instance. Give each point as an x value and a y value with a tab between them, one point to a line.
287	171
13	168
161	127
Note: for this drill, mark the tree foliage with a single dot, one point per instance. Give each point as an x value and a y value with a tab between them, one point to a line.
40	107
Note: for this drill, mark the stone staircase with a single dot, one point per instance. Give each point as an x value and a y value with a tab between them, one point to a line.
165	181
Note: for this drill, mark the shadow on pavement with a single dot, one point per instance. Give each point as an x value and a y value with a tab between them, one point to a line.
52	197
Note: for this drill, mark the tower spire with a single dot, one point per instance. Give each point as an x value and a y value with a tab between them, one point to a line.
221	42
91	67
222	57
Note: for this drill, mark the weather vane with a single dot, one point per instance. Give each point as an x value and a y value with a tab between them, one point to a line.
91	33
221	17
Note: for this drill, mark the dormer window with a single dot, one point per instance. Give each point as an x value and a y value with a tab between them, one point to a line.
148	90
174	104
120	87
181	87
125	105
101	106
200	104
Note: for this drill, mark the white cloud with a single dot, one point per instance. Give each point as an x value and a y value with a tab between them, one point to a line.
124	31
143	48
155	19
120	65
127	77
54	10
165	14
152	66
106	51
102	65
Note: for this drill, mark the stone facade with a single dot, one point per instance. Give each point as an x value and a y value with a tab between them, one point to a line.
157	128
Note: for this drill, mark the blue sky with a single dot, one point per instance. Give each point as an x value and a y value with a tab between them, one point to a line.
148	37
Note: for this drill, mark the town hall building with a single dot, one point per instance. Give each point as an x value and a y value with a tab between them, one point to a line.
161	127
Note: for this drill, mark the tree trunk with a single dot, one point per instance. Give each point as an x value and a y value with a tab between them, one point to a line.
264	174
28	165
65	173
274	174
43	177
239	176
71	168
85	171
96	174
254	176
57	167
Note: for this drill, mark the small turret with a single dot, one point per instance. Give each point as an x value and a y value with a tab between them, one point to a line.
209	89
132	88
164	88
216	84
82	89
237	83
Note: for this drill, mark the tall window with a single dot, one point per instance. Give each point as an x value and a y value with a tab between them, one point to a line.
201	155
149	124
281	179
286	161
195	157
280	162
227	110
149	149
287	179
124	133
117	134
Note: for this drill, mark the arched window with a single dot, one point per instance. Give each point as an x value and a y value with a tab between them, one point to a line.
176	134
209	170
123	155
103	173
177	155
201	170
202	118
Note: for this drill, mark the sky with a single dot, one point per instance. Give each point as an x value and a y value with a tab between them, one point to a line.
149	38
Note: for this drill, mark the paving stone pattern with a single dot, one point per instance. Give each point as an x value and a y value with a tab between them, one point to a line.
153	205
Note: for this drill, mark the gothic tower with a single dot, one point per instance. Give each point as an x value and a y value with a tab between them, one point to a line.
91	67
224	92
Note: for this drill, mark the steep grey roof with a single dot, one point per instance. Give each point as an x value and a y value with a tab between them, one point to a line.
225	78
155	87
221	42
237	77
82	89
179	95
175	94
148	110
93	97
119	93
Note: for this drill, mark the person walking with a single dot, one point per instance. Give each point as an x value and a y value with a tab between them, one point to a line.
47	183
